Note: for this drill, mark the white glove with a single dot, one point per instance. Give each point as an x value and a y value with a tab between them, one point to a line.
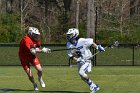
80	60
100	48
46	50
33	51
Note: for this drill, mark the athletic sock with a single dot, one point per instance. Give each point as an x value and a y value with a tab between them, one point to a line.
90	82
35	86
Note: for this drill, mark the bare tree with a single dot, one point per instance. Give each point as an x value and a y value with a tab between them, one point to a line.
115	15
90	19
77	13
28	8
23	6
123	9
44	28
9	6
0	6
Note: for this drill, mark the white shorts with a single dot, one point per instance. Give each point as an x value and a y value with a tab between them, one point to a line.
85	67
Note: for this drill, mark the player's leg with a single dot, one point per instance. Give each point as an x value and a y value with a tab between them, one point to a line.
31	78
28	71
38	67
82	72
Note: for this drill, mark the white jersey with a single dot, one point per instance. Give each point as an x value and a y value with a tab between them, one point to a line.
82	45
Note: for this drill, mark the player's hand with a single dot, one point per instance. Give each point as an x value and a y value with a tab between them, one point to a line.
33	51
80	60
100	48
46	50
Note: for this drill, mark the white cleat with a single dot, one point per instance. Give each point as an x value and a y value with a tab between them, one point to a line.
94	88
42	83
35	87
92	92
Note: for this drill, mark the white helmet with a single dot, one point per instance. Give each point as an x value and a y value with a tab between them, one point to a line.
72	33
33	30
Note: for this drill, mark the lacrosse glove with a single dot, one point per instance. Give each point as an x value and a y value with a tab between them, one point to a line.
100	48
46	50
78	52
80	60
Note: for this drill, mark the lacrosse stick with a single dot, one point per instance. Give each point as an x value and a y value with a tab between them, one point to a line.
61	49
66	49
54	50
116	44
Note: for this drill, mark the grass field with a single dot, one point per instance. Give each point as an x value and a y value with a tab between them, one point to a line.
62	79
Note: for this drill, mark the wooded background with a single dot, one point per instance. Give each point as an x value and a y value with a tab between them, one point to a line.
104	20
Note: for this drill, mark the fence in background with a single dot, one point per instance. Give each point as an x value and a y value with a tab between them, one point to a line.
9	55
123	55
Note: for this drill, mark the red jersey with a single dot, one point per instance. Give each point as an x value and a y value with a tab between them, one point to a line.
24	49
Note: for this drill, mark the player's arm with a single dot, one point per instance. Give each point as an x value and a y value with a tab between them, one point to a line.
98	47
94	45
78	59
74	58
35	50
39	50
29	46
89	42
70	55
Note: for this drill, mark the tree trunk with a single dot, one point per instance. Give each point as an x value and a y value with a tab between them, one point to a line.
21	16
0	6
90	19
77	13
67	4
8	6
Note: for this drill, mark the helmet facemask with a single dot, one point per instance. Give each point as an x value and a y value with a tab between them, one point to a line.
34	33
35	37
72	34
71	38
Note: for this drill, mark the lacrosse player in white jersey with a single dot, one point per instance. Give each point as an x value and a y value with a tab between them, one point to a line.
80	52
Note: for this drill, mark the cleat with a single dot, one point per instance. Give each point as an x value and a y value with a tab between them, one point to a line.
92	92
94	88
35	87
42	83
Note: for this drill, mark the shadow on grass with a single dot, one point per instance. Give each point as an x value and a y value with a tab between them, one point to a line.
10	89
63	92
16	90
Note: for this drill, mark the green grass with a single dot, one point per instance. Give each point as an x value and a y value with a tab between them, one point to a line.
112	79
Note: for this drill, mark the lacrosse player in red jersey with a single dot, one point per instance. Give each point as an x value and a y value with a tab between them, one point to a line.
29	46
81	55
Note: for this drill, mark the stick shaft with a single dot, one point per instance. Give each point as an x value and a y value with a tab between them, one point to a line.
99	51
59	50
62	49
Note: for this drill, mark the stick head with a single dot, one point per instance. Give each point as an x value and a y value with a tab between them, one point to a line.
116	44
